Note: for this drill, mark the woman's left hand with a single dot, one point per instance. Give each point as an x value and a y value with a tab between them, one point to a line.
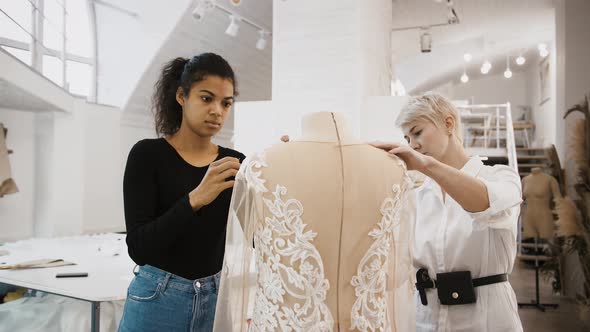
414	160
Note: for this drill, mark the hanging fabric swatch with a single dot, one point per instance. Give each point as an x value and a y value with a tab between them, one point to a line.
7	184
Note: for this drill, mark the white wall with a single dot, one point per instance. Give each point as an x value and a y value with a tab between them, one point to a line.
66	173
332	69
543	114
575	82
259	125
346	63
16	210
490	89
103	170
494	89
127	44
523	89
108	141
375	47
378	119
69	169
447	89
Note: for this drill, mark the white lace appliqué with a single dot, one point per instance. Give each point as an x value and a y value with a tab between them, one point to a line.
288	264
252	175
369	311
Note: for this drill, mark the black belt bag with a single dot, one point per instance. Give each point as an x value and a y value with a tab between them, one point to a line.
453	287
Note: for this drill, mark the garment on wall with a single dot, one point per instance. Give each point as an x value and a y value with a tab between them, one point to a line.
7	184
318	239
538	189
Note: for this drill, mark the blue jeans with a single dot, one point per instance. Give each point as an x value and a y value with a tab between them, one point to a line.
162	301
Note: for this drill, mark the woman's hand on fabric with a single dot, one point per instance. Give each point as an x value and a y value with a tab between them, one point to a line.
214	182
414	160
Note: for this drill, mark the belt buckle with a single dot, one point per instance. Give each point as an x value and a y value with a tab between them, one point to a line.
422	280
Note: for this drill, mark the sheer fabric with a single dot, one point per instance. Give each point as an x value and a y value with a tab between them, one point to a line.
318	239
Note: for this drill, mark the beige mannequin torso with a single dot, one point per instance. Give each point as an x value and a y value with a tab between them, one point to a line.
331	234
538	189
341	208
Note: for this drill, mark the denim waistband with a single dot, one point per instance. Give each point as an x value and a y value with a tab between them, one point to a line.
210	283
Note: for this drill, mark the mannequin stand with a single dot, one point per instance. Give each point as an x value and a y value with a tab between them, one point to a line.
537	301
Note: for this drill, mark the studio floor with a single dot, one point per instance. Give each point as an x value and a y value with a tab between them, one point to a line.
563	318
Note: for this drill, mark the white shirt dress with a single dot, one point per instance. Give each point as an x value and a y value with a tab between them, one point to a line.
448	239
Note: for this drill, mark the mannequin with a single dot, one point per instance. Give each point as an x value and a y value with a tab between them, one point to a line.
538	189
7	184
321	127
331	239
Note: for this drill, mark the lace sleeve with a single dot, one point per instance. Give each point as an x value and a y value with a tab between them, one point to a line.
238	275
404	272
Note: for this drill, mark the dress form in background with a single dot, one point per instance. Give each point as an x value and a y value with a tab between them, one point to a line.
538	189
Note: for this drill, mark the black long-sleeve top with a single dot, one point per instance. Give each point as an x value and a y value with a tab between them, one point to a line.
162	228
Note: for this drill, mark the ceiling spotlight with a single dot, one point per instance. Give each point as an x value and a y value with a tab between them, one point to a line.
233	27
464	78
261	43
199	13
236	2
397	88
452	17
485	68
543	53
520	60
203	6
467	57
426	42
507	72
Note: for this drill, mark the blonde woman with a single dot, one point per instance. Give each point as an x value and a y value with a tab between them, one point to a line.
465	226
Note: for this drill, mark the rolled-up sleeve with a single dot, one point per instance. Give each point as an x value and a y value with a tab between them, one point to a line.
504	194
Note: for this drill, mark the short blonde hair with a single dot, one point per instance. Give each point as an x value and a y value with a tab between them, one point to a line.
432	107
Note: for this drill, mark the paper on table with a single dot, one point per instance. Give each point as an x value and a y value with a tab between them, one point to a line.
38	263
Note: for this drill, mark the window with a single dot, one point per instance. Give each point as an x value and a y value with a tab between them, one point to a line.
53	24
14	15
16	36
78	77
52	69
78	29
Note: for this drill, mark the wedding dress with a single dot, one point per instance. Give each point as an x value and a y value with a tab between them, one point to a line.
318	237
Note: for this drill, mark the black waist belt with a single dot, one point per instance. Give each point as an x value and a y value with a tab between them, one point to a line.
454	287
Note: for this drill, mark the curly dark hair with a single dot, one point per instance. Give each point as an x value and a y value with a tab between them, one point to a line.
182	72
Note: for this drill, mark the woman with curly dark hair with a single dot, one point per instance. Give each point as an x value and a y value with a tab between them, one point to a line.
177	190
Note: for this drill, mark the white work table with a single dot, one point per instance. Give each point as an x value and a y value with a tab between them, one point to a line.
104	257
